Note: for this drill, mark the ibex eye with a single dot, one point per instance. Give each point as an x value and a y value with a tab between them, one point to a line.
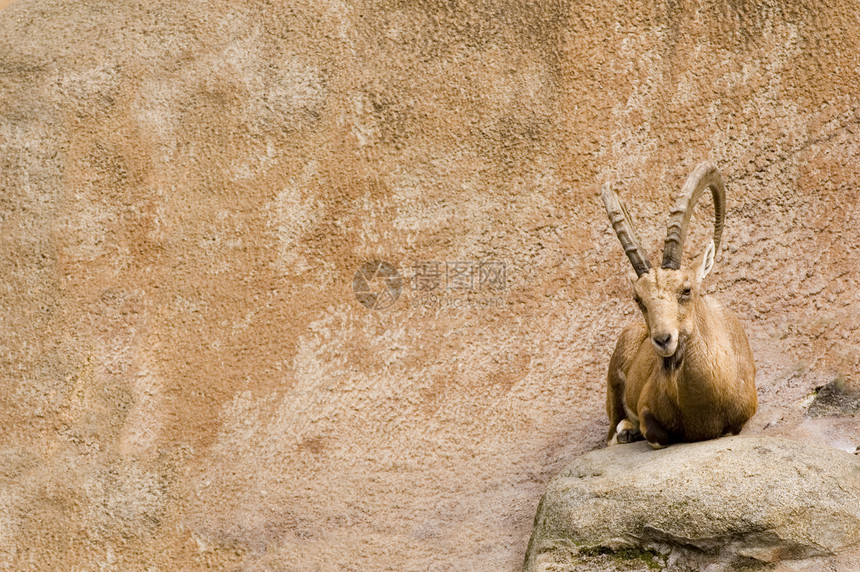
686	292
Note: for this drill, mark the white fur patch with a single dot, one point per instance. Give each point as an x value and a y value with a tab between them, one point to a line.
625	424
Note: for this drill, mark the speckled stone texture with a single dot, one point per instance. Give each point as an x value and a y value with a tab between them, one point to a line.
737	502
187	190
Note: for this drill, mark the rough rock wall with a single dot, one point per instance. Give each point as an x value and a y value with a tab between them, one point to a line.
187	190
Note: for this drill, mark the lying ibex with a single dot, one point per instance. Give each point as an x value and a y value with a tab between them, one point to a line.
687	373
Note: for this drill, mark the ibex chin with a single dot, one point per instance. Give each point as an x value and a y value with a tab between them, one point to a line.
687	373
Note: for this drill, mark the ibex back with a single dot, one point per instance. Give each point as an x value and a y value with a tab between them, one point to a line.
687	373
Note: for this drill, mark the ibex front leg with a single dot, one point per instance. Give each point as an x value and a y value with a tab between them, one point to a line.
653	431
621	428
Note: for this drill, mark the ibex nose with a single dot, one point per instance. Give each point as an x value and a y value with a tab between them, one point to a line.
662	341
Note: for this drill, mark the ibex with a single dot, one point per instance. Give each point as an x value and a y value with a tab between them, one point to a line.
687	373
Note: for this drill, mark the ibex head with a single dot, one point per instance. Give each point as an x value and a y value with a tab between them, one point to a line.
668	296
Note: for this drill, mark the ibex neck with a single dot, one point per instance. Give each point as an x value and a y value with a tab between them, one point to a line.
695	365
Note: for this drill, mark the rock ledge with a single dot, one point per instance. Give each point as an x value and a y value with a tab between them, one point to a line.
739	501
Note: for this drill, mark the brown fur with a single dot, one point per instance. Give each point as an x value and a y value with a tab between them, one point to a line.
703	390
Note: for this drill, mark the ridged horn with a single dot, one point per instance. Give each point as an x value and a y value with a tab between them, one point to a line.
705	176
623	227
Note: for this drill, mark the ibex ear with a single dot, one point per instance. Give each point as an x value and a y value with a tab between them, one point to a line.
707	262
633	277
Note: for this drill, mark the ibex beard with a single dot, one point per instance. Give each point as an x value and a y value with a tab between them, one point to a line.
687	373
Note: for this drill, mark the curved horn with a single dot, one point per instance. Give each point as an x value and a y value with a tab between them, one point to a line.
623	227
703	177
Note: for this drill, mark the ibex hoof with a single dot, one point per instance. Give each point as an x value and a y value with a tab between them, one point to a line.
626	432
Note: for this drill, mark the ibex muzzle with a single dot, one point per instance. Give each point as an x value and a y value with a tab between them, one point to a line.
687	373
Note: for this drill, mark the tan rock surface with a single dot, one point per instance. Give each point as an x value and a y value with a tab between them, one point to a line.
186	192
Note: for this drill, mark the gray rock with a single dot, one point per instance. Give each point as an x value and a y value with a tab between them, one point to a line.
733	502
835	398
